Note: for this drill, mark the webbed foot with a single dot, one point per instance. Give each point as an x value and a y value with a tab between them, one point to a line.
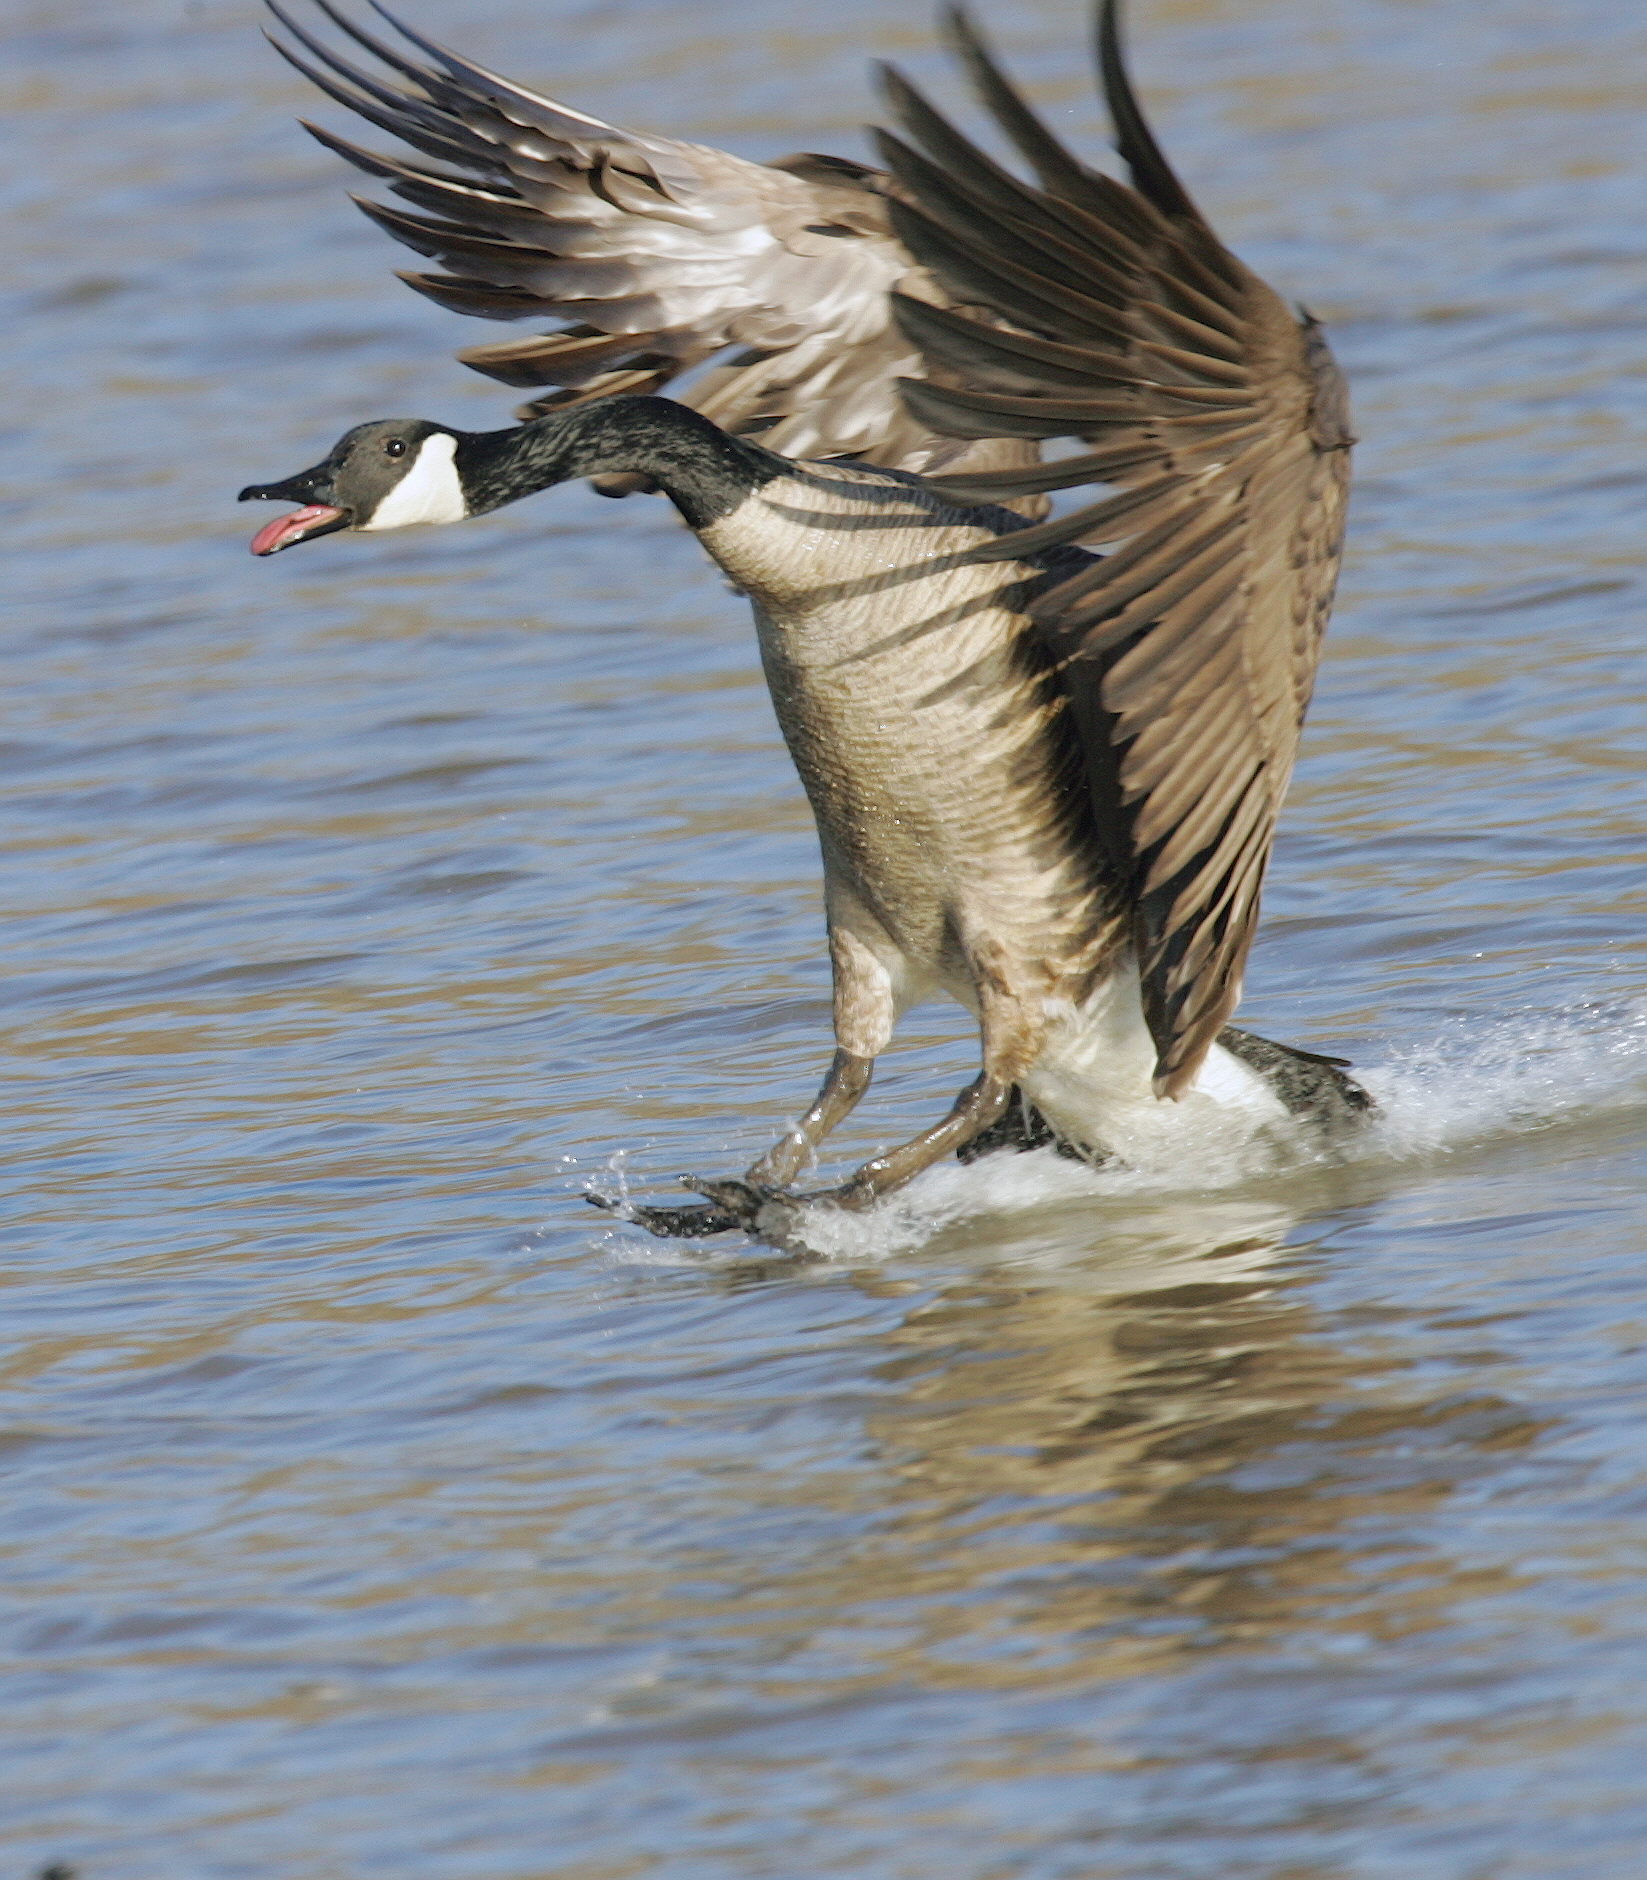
742	1200
732	1204
771	1212
694	1222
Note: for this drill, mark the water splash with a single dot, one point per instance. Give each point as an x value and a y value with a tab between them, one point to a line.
1470	1082
1474	1079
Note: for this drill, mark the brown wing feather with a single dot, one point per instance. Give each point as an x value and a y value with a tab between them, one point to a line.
676	253
1187	652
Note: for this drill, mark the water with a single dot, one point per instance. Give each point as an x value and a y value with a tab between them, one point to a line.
371	1506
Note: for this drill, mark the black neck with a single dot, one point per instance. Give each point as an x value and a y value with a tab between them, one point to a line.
704	472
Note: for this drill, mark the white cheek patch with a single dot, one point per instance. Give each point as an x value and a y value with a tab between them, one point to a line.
429	491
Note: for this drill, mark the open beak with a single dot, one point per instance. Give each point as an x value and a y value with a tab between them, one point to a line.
302	525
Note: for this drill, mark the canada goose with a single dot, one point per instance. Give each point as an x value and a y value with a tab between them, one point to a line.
1045	780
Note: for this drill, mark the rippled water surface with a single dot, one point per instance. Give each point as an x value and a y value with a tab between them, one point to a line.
372	1507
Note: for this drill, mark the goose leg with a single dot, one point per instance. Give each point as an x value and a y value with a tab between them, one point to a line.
1011	1030
848	1079
979	1105
867	984
1011	1038
864	969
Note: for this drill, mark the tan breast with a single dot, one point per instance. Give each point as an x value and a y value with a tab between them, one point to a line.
925	721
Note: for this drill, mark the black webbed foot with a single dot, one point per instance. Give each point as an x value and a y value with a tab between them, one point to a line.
742	1201
731	1205
754	1200
694	1222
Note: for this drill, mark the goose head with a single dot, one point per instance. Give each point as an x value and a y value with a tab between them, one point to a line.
389	474
395	472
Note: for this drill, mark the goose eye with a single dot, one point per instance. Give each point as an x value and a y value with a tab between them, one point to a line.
396	447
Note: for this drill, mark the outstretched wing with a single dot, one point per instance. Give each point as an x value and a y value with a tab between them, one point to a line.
1188	652
661	254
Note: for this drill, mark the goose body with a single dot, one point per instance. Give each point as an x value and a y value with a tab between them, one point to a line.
959	853
1044	778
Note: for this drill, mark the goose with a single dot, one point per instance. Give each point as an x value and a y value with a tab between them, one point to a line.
1045	753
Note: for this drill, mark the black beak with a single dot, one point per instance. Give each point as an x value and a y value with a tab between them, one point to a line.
316	517
308	486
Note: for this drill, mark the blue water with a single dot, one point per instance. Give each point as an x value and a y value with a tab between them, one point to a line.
372	1506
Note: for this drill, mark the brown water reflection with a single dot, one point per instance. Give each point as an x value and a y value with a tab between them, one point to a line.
1072	1461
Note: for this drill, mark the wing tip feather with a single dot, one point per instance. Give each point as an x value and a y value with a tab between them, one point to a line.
1153	176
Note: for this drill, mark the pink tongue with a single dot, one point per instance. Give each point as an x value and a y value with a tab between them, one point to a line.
292	528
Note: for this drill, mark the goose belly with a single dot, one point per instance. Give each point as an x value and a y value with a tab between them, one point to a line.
928	729
945	781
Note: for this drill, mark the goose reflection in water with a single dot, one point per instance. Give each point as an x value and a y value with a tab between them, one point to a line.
1094	1482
